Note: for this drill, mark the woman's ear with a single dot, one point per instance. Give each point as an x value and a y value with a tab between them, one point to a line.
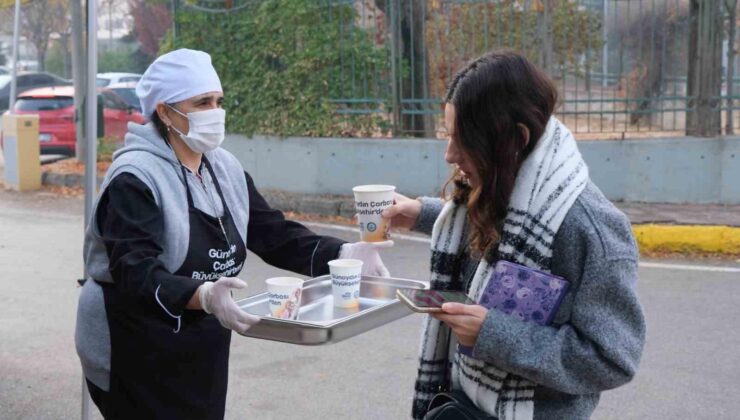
163	113
525	134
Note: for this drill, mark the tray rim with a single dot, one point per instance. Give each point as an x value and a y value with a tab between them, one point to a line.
333	323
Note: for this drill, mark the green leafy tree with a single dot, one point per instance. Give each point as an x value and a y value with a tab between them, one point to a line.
117	60
288	66
55	62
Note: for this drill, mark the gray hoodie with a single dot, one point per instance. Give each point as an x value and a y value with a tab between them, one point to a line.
147	156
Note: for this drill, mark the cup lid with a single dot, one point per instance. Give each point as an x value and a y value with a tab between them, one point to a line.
284	281
345	263
374	188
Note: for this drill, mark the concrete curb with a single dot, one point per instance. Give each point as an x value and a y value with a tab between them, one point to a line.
688	238
650	237
65	180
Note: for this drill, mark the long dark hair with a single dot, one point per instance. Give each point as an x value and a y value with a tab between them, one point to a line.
492	95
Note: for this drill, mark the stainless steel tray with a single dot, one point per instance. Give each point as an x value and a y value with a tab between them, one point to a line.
319	322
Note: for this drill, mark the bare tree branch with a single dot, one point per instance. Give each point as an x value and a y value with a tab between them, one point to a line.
39	20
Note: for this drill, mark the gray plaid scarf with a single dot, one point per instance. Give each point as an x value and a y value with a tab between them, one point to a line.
548	183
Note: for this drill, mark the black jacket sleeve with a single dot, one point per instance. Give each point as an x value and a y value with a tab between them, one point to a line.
286	244
132	227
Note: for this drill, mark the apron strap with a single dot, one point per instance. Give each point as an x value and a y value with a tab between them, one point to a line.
215	182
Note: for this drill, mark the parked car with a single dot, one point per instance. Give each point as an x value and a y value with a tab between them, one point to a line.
27	81
127	92
105	79
55	107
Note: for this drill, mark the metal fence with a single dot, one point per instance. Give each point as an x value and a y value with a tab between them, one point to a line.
622	67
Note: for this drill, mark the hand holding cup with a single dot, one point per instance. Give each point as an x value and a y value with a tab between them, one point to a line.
404	211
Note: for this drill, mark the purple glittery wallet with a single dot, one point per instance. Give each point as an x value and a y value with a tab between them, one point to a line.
524	293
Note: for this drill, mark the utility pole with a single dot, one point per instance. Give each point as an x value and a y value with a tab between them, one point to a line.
91	110
87	72
78	75
110	24
14	71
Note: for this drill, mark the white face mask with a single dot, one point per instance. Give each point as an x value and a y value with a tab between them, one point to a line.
207	129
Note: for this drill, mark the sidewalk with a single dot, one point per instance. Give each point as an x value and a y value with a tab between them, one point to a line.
638	213
682	214
658	228
681	228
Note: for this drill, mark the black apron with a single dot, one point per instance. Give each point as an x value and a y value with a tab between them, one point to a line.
155	372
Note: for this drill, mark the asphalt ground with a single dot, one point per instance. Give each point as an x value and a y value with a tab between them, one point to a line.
690	367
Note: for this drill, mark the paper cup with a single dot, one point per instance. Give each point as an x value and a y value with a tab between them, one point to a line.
370	201
284	294
345	282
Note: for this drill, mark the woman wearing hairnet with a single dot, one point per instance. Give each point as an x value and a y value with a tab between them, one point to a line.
169	234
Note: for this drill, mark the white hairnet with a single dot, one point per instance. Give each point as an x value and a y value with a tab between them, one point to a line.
176	76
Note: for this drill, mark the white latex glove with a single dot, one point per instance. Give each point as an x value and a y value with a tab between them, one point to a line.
368	253
215	298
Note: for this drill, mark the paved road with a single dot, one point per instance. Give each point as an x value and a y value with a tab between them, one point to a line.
690	369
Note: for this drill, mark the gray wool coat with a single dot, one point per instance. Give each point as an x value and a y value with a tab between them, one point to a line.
597	335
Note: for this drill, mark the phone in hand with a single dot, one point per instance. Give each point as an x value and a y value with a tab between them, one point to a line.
426	301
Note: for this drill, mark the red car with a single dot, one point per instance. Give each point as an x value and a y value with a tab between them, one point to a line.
55	107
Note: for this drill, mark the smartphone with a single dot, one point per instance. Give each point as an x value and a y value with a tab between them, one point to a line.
426	301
